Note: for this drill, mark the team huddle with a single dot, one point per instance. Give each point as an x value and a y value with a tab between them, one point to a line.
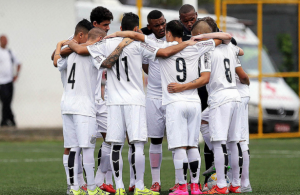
195	83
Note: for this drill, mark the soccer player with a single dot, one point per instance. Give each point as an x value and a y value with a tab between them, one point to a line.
80	35
126	98
155	111
79	113
100	17
224	101
182	110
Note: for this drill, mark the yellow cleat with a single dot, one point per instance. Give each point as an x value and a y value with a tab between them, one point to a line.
145	191
97	191
120	191
78	192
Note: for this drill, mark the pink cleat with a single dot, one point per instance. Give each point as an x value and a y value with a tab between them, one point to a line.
195	189
181	190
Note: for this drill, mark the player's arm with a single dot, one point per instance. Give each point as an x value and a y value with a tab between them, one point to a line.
130	34
169	51
57	52
200	82
241	51
79	49
114	56
225	37
242	75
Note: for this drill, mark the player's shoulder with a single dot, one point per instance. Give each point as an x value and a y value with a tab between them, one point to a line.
153	38
207	43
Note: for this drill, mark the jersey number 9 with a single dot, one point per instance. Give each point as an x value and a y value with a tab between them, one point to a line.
183	69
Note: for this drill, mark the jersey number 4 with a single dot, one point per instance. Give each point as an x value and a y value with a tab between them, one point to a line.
227	70
71	78
118	68
183	69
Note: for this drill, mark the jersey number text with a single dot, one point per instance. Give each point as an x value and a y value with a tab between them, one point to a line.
126	68
71	78
181	70
227	70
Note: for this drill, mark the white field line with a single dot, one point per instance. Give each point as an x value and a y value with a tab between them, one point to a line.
263	154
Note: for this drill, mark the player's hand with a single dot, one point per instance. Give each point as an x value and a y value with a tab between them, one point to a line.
197	38
61	43
127	41
175	88
140	31
191	42
15	78
111	35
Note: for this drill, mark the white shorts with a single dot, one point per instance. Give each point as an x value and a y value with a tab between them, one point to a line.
225	123
79	131
244	119
205	115
156	118
101	117
183	124
126	118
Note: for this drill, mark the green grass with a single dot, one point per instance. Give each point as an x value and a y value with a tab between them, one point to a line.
36	167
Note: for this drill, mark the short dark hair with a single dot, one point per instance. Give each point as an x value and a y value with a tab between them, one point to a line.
83	26
186	8
99	14
175	27
154	14
211	22
129	21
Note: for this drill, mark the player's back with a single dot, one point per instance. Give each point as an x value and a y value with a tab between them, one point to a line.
125	79
80	86
222	84
180	68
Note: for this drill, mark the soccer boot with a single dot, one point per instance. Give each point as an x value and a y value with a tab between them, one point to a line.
181	190
195	189
145	191
97	191
205	188
107	188
172	189
216	190
78	192
246	189
120	191
236	189
84	187
155	188
131	189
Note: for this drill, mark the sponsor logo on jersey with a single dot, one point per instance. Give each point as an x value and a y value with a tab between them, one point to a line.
204	44
99	58
148	47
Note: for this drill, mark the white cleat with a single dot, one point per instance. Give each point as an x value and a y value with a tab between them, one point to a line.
246	189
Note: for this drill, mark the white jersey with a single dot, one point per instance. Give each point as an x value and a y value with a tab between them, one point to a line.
182	68
125	79
98	92
154	89
79	94
242	88
222	85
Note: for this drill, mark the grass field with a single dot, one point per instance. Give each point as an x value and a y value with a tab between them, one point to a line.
36	167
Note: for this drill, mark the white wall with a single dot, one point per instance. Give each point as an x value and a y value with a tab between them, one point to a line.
33	28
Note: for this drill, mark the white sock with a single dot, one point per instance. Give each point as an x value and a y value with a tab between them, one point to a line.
176	178
204	128
65	162
81	181
132	178
103	163
73	167
155	155
220	152
117	164
181	164
139	158
108	178
89	167
229	172
195	163
246	161
234	163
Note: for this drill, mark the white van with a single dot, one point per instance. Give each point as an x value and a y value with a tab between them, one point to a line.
280	103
